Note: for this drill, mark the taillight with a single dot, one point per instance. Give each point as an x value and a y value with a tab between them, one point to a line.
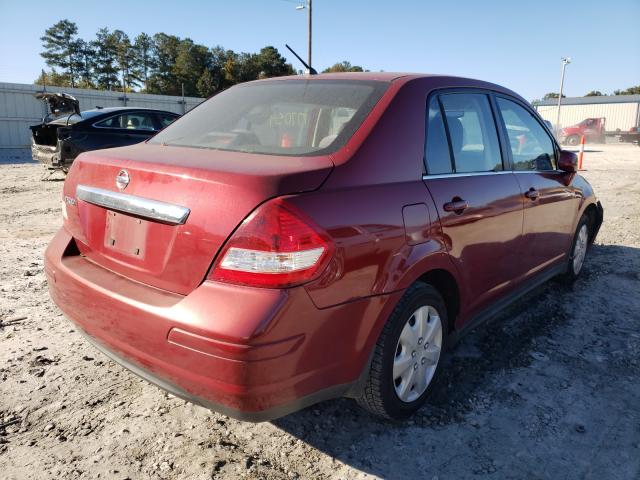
276	246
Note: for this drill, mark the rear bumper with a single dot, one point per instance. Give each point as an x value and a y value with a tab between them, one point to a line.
59	156
253	354
45	154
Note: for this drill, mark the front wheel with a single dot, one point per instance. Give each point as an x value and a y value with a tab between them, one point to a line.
408	355
579	249
573	140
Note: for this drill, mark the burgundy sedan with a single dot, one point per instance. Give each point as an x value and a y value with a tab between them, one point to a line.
298	239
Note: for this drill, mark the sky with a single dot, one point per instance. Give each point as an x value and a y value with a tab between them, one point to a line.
517	44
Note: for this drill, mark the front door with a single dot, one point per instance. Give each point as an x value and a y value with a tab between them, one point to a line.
550	202
478	201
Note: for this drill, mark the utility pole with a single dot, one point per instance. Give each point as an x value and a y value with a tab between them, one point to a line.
184	102
124	85
565	62
309	22
310	29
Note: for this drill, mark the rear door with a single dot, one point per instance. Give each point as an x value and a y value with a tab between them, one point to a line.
550	203
478	200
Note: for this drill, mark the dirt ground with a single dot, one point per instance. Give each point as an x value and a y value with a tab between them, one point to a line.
550	389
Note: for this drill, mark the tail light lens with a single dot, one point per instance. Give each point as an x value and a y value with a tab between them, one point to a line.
275	247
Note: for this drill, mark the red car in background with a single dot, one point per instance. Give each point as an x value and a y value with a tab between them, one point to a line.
593	130
297	239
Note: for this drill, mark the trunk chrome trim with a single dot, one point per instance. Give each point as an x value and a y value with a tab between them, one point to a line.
142	207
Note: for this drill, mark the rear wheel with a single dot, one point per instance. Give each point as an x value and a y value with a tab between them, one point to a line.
408	355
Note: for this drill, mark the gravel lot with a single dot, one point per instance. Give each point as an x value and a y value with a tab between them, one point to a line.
550	389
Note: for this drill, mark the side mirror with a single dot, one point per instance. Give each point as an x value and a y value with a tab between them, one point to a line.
568	161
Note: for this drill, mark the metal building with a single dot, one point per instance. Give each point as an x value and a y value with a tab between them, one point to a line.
620	111
19	109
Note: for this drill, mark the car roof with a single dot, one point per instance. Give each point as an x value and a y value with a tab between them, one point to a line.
362	76
369	76
124	109
441	80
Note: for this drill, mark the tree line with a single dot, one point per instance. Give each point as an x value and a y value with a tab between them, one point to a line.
160	63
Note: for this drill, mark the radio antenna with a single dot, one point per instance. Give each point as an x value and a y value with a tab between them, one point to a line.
312	71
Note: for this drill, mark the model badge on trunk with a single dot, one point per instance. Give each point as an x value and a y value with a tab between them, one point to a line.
122	180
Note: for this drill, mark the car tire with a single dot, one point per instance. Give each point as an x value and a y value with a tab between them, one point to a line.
579	249
415	361
573	140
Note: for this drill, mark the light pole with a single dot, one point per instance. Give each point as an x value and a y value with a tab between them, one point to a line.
308	8
565	61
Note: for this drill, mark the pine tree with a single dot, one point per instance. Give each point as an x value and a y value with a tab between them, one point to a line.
144	57
206	85
61	48
106	66
86	64
125	57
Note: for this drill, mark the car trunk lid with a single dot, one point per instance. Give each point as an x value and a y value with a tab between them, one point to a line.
60	103
213	190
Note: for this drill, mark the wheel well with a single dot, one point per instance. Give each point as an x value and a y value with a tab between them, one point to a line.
592	214
447	286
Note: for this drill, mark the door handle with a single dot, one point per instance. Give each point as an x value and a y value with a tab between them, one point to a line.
532	194
456	205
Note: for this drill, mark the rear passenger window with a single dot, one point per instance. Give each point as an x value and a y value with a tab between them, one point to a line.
437	156
472	131
531	146
129	121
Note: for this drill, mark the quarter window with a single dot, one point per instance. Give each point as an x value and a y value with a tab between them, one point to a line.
437	155
472	132
166	120
531	146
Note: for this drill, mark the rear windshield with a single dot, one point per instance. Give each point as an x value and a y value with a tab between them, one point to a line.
285	117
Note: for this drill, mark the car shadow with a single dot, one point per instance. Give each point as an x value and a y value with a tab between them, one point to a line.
16	161
511	340
16	156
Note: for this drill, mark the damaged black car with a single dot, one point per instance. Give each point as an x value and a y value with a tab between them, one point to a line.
66	131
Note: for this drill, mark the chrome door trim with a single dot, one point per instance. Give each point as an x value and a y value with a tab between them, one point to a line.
139	206
477	174
538	171
470	174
